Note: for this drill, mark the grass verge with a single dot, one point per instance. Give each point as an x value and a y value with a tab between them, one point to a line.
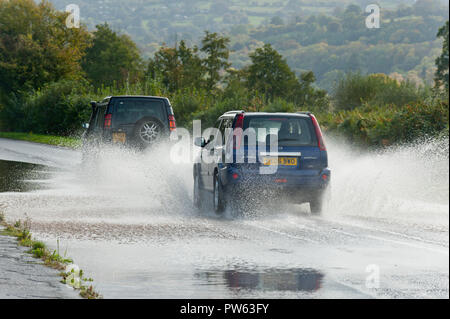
70	142
71	275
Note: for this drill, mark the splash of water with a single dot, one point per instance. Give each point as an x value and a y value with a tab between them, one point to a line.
409	182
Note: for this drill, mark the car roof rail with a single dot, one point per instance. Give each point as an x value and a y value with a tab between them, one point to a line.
234	112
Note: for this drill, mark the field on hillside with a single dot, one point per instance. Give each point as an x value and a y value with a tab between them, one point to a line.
327	37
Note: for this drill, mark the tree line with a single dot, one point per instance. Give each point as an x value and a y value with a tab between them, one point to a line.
49	72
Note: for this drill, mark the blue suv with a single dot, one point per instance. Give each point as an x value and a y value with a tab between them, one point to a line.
276	155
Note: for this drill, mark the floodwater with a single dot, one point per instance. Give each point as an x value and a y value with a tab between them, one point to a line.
129	223
21	177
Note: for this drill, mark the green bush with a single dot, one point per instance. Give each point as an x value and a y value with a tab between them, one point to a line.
385	125
187	102
59	108
234	97
279	105
387	117
12	114
356	89
209	114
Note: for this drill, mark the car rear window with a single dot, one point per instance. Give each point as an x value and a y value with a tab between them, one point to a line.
291	131
130	111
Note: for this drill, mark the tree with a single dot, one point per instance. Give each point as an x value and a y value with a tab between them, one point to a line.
166	66
193	71
217	51
354	63
112	59
36	46
353	8
334	26
178	67
277	21
307	96
270	74
441	77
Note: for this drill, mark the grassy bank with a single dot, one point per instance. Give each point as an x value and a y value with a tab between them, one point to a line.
43	139
73	277
373	126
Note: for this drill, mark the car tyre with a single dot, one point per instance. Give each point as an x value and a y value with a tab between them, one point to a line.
148	132
218	196
197	192
316	206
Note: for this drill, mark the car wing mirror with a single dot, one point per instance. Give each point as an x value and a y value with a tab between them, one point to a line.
211	139
200	142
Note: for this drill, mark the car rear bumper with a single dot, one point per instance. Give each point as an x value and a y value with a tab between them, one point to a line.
297	186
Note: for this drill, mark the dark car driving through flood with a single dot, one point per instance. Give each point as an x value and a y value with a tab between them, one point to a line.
299	159
138	121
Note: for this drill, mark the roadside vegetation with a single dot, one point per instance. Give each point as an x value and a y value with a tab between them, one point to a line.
71	142
70	275
47	92
385	125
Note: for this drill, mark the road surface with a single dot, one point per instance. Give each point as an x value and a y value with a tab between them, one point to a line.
28	152
129	224
24	277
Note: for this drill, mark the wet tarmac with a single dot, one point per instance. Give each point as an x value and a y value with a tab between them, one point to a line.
21	177
24	277
130	225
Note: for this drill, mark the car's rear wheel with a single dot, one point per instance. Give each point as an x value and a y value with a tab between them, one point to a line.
321	202
197	192
148	132
316	205
218	196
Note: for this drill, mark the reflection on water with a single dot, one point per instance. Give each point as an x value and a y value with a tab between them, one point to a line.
307	280
21	177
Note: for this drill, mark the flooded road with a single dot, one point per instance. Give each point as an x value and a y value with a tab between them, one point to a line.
21	177
129	224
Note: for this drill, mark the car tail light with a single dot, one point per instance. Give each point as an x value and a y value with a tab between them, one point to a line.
108	119
319	135
325	177
238	128
172	123
235	176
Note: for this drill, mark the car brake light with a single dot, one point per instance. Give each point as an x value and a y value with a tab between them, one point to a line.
325	177
319	135
235	176
108	119
238	128
172	123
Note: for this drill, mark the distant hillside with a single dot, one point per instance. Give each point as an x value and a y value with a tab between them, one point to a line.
405	46
328	37
152	22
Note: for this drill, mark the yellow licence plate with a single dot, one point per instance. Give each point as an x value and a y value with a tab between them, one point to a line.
285	161
119	137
